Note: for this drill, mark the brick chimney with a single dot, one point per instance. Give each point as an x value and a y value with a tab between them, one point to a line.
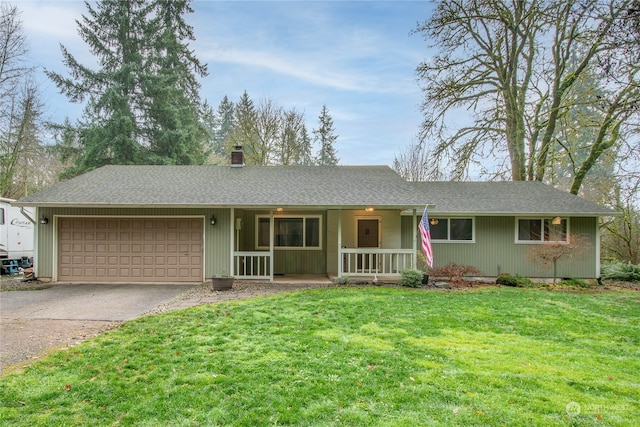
237	157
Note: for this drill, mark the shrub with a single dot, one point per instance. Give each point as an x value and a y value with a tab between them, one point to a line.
618	270
344	280
518	281
574	282
455	272
411	278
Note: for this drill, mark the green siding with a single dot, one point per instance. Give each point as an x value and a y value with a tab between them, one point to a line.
495	251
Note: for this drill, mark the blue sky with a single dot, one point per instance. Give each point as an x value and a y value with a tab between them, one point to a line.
357	57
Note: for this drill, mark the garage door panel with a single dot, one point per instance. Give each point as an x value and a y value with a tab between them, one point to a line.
104	249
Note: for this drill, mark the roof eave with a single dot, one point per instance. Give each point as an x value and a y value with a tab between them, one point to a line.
536	214
212	206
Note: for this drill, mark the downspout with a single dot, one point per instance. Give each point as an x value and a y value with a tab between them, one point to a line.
598	260
234	243
271	244
340	256
26	215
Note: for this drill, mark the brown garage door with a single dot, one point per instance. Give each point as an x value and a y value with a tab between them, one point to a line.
130	249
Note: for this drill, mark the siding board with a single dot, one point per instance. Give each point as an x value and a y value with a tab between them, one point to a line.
495	250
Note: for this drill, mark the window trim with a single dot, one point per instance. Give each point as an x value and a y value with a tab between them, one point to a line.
448	239
542	220
304	236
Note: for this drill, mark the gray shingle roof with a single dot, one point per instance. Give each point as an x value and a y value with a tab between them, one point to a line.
249	186
506	198
304	187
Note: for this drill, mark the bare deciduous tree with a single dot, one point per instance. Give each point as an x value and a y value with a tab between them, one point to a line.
512	68
20	109
412	163
548	254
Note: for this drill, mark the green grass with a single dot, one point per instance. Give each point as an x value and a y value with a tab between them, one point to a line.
351	356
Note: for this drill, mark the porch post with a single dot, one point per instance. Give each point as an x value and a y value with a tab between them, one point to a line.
232	221
340	266
271	233
414	221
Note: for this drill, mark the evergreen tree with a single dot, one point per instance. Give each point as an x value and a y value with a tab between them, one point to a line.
306	157
142	103
109	132
176	132
324	135
244	132
225	122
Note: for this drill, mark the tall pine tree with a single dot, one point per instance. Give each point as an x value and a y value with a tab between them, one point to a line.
141	103
226	125
176	132
325	136
108	132
244	132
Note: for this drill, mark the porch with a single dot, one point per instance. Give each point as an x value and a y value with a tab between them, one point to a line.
276	243
354	262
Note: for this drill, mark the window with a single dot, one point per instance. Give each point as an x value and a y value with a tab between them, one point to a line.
533	230
290	232
1	216
451	229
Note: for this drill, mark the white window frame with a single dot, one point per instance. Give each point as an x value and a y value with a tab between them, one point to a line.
304	246
542	224
448	219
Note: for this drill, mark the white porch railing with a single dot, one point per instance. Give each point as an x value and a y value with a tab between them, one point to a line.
252	265
385	262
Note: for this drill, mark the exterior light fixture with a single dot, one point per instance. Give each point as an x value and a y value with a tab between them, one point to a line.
279	209
556	220
433	221
212	220
44	220
369	209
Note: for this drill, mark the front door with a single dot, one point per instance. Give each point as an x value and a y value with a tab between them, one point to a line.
368	237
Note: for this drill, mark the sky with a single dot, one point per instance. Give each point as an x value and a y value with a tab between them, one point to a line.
356	57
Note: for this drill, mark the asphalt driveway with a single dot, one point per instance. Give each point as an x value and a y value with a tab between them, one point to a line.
35	322
114	302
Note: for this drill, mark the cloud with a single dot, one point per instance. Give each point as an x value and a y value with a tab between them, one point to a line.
51	19
297	67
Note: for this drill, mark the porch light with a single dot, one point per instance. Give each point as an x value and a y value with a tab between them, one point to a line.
212	220
369	209
433	221
279	209
556	220
44	220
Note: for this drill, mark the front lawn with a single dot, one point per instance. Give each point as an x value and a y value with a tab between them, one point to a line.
351	356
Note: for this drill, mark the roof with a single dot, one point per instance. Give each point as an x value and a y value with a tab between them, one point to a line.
506	198
225	186
353	187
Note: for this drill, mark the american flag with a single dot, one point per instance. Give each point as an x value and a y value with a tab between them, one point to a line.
425	235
